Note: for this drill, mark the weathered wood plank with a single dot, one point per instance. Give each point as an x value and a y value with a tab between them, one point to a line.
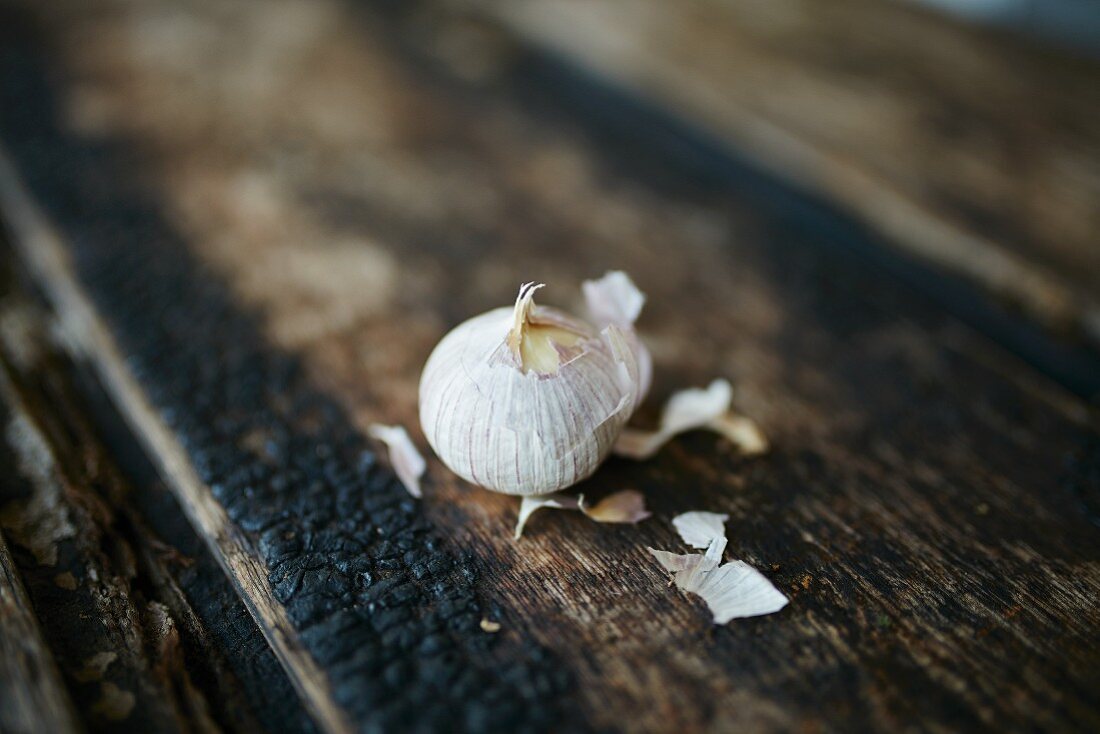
360	615
45	257
272	276
32	697
963	146
97	626
225	654
172	656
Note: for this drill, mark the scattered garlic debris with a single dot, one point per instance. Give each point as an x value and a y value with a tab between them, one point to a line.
692	409
698	529
742	432
529	504
674	562
627	506
731	591
615	300
488	625
407	462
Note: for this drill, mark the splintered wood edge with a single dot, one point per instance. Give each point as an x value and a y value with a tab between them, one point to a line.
37	699
904	222
40	248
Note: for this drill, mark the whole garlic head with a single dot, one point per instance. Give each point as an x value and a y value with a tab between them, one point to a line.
529	400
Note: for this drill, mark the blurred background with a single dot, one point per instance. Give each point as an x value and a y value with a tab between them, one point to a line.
962	135
1072	23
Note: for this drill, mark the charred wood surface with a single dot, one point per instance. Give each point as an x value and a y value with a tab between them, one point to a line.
147	631
32	696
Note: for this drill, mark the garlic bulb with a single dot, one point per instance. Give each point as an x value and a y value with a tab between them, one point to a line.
529	400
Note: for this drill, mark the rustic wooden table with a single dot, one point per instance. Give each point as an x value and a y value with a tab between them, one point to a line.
235	230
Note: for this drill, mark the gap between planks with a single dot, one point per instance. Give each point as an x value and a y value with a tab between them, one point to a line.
32	695
39	247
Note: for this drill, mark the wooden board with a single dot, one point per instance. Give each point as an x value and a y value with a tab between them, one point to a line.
147	633
32	697
256	219
964	147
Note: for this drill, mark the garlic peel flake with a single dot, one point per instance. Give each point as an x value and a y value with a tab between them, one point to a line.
732	590
407	462
742	432
529	505
673	562
689	410
627	506
698	529
613	299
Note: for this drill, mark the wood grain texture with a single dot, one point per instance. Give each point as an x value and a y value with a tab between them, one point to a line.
309	515
275	273
76	571
32	696
147	629
965	147
88	335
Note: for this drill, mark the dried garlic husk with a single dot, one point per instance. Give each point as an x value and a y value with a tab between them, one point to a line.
698	529
614	299
691	409
529	400
626	506
407	462
732	590
530	505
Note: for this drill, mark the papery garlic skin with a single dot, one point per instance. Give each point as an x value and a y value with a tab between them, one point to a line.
527	400
614	299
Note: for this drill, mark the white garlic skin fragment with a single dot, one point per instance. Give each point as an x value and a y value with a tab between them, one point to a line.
527	400
698	529
407	462
732	590
691	409
736	590
614	299
529	505
625	507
